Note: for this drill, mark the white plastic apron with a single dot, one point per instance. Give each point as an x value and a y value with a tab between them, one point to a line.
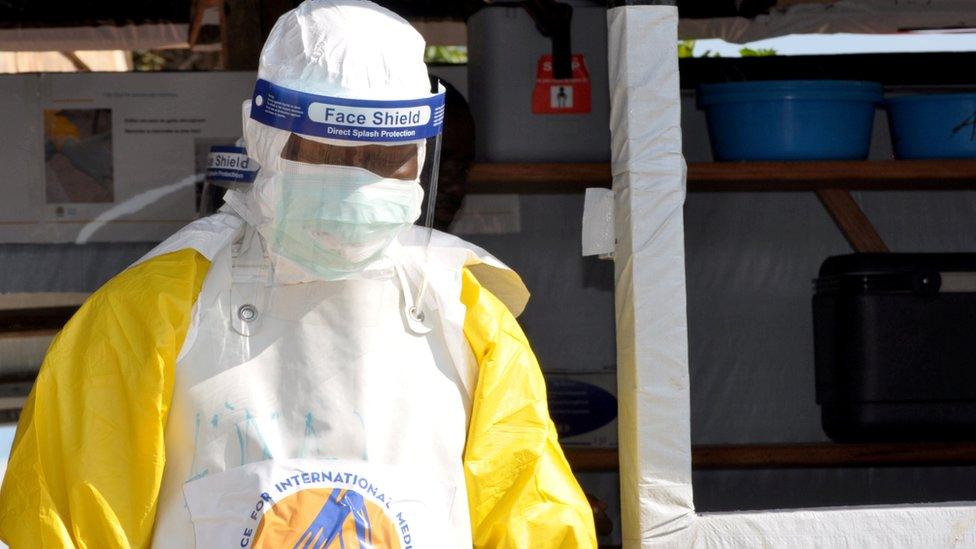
330	387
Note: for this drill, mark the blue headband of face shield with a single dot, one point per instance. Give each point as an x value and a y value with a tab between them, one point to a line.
370	121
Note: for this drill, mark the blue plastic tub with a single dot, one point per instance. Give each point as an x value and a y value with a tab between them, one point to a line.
790	119
933	126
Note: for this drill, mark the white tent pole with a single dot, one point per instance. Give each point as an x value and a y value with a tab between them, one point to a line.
652	345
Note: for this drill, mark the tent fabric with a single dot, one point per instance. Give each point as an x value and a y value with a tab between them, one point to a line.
56	61
844	16
104	37
944	525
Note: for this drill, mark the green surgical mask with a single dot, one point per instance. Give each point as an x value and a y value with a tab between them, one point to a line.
339	220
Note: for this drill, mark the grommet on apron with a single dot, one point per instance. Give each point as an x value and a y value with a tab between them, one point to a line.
251	282
247	313
412	312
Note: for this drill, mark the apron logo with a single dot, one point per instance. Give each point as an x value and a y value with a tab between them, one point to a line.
351	513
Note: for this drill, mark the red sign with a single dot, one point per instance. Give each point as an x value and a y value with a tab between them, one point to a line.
566	96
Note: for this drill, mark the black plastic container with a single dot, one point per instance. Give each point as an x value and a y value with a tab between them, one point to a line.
895	344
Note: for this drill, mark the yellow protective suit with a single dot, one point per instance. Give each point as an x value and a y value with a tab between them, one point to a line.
89	453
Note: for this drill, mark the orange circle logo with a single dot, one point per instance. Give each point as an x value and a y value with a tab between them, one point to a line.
326	518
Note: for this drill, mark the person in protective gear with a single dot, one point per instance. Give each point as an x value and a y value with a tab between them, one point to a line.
307	367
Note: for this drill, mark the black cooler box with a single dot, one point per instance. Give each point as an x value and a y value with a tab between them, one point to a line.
895	346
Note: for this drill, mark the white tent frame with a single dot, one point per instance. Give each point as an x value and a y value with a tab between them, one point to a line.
841	16
104	37
652	337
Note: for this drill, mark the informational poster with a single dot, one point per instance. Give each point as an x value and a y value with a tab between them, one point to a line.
103	157
583	405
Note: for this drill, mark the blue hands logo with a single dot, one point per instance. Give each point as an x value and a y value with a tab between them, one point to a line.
327	526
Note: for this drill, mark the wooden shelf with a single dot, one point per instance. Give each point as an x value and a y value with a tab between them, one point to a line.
877	175
34	321
537	178
799	456
592	459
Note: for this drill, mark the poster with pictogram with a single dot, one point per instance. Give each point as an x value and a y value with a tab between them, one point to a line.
562	96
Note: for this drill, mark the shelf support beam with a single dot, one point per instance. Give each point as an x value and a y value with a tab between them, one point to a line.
859	175
852	221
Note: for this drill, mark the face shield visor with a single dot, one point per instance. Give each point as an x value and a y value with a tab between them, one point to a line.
228	168
344	177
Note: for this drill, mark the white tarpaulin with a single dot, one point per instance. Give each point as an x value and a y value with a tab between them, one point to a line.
844	16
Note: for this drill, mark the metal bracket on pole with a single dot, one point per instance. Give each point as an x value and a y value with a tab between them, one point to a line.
553	19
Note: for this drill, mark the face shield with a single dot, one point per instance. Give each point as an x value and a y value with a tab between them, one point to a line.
228	168
341	178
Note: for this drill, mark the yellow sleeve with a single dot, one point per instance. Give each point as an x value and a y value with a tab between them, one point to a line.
87	459
521	491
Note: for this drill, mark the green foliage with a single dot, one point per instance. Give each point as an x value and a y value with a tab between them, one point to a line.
446	55
686	48
758	52
147	61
